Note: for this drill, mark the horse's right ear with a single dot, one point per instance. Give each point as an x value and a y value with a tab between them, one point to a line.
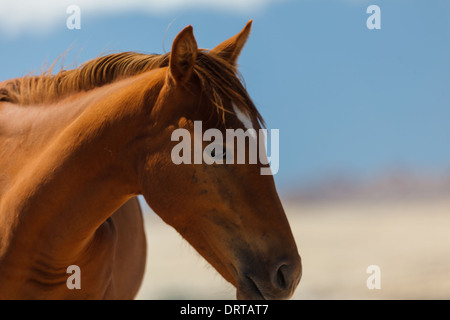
183	56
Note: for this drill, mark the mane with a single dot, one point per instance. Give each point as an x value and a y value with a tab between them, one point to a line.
219	80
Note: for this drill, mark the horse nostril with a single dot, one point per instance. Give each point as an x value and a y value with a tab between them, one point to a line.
281	278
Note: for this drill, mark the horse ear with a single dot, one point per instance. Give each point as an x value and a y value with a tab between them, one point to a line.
231	49
183	55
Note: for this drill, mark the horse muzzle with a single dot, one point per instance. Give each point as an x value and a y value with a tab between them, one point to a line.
271	282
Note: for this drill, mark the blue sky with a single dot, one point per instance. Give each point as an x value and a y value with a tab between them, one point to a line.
347	100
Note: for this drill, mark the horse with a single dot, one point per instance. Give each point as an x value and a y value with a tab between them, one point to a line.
77	147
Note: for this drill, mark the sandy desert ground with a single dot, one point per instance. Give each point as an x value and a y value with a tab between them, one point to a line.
409	241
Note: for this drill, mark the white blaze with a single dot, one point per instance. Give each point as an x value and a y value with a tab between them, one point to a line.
273	159
243	117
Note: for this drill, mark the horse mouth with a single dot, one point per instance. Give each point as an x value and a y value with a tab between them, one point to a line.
249	290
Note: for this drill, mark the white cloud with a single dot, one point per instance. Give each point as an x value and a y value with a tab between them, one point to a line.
40	16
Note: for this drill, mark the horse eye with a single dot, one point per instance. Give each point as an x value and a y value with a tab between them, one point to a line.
223	154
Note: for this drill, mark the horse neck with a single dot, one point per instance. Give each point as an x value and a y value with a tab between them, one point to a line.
74	181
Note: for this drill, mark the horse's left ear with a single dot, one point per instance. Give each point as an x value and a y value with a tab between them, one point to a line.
231	49
183	55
